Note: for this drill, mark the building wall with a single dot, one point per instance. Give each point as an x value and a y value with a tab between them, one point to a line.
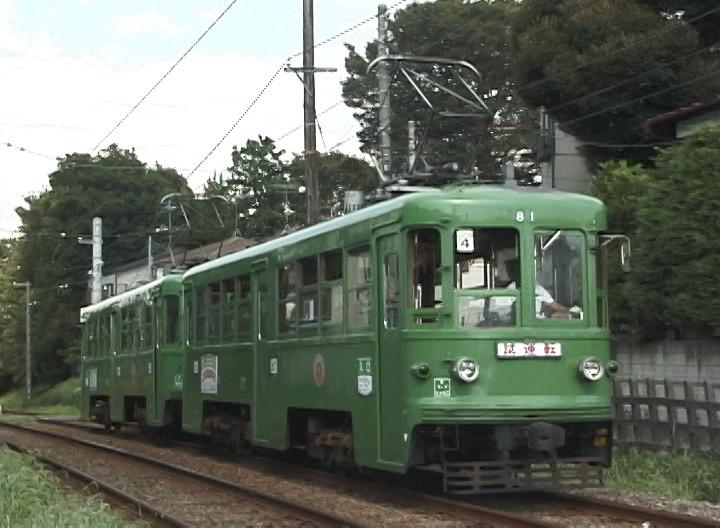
566	169
691	361
685	127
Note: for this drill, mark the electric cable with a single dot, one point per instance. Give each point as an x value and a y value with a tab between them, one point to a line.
277	72
625	48
232	3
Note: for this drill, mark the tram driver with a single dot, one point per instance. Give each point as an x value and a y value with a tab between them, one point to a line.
545	305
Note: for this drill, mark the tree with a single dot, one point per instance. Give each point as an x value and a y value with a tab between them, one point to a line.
676	255
338	173
622	187
476	32
602	68
113	185
257	187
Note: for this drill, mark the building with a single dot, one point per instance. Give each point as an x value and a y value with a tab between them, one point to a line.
677	124
133	274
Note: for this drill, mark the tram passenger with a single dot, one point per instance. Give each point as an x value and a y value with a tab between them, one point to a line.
545	305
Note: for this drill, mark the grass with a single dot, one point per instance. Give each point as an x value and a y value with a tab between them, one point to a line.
31	496
682	476
61	399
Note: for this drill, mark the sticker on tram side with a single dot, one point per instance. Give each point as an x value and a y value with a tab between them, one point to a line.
442	386
208	374
364	379
178	381
273	365
318	370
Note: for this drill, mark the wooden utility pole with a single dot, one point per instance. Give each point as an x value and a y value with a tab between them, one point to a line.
384	93
312	164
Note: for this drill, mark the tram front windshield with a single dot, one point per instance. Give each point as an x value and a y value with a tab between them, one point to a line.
487	276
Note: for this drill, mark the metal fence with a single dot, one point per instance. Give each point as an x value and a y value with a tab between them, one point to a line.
665	414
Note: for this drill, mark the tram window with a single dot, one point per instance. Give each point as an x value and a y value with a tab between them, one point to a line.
358	287
243	307
391	290
172	320
424	272
201	314
229	297
559	274
601	281
124	329
288	285
244	287
331	288
146	334
309	270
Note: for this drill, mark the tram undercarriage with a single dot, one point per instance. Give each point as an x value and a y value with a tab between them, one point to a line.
490	458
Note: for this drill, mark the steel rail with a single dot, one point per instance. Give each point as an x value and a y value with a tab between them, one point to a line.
324	517
637	513
109	489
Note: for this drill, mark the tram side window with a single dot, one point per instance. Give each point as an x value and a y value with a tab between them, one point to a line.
331	288
424	272
147	326
287	316
391	290
229	305
243	307
309	306
172	320
214	312
601	279
201	306
124	329
358	287
90	329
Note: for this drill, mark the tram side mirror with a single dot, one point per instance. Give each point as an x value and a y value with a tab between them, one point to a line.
625	255
624	241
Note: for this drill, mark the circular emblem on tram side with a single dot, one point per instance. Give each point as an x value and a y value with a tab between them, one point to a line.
318	370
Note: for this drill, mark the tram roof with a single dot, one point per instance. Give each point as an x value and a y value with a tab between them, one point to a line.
125	297
576	204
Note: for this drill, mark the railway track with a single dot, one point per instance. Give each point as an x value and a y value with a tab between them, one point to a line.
208	489
539	509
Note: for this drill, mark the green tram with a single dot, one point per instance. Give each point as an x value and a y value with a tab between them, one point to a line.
132	356
409	335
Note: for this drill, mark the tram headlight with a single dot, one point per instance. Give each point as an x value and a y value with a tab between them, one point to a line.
466	370
591	369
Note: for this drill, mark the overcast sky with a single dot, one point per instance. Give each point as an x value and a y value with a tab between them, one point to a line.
71	69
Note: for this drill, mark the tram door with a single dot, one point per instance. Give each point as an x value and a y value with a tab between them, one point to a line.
261	407
391	386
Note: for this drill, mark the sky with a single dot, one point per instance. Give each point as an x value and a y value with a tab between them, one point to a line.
70	70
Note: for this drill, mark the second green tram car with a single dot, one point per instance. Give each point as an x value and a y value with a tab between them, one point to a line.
132	356
462	331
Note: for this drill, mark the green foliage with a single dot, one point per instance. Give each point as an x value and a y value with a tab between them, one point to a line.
268	192
337	173
31	496
476	32
623	188
60	399
682	476
577	58
113	185
674	281
257	188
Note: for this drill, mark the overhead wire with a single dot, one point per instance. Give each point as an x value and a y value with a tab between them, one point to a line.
277	72
620	49
633	77
144	97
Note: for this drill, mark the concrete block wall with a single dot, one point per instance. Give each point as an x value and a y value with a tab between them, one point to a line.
692	361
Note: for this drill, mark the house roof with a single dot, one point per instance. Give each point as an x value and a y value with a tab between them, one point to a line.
191	257
664	124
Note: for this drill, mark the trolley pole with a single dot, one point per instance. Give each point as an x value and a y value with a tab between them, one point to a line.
312	164
28	357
